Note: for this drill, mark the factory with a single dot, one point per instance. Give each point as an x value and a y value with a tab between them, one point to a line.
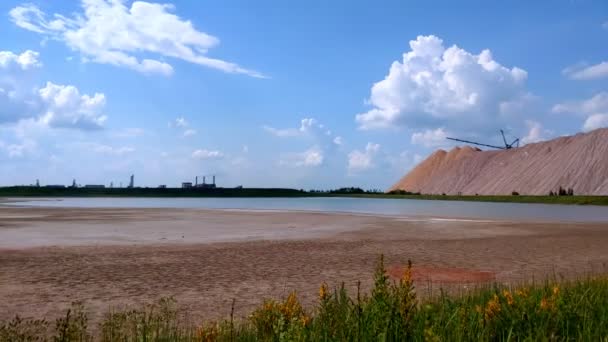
131	185
197	185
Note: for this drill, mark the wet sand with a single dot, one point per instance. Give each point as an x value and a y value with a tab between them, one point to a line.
207	258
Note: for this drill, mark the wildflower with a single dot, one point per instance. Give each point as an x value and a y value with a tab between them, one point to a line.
545	304
508	297
305	319
291	307
555	291
522	292
492	308
407	274
323	292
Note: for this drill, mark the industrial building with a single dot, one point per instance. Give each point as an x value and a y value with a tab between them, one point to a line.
204	185
95	186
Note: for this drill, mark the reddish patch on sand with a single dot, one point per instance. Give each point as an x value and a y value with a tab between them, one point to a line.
443	274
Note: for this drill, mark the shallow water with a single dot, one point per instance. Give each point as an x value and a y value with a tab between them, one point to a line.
392	207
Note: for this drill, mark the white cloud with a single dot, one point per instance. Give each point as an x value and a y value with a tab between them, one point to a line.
207	154
595	121
430	138
594	108
363	160
24	61
597	103
338	141
591	72
180	122
309	127
66	107
110	32
450	87
536	132
310	158
54	105
189	132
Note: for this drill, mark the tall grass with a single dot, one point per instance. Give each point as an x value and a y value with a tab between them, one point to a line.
390	312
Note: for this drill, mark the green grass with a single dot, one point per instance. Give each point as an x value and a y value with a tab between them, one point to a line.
550	311
22	191
577	200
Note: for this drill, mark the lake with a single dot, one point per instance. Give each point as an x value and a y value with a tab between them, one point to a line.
391	207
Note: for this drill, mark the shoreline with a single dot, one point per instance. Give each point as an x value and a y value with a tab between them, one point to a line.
515	216
48	261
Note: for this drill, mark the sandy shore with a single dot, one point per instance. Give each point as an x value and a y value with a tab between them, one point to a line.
205	259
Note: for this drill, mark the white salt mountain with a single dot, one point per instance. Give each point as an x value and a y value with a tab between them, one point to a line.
579	162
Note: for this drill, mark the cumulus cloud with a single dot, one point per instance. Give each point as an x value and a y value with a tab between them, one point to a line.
204	154
430	137
338	141
595	121
594	108
536	132
64	106
54	105
310	158
450	87
583	73
23	61
363	160
596	103
110	32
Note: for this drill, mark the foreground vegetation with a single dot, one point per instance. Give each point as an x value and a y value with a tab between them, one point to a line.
390	312
575	199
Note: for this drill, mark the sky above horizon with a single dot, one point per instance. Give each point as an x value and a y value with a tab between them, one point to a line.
302	94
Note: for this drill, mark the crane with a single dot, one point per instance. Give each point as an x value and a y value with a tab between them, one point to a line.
507	146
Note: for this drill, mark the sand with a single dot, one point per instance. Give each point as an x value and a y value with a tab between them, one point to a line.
205	259
579	162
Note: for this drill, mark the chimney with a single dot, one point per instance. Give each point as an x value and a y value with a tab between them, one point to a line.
203	180
213	179
196	181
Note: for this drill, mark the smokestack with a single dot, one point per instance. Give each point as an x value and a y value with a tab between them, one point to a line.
196	181
213	179
204	179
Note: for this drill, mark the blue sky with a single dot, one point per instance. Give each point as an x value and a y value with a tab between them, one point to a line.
304	94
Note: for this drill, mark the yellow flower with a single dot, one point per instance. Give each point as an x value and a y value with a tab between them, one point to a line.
508	296
555	291
492	308
323	292
546	304
522	292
